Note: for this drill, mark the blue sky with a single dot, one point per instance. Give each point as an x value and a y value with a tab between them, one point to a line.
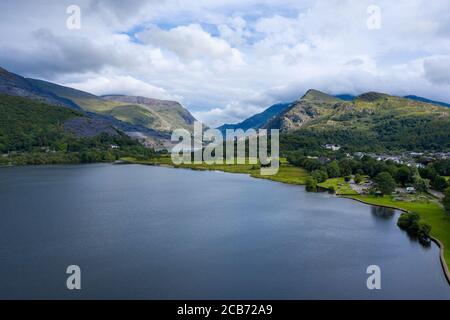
227	59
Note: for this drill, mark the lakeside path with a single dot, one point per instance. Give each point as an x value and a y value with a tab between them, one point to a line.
431	212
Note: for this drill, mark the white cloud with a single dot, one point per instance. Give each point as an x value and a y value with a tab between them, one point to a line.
231	113
191	42
122	85
228	59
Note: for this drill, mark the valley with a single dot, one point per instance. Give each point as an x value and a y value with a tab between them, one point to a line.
344	146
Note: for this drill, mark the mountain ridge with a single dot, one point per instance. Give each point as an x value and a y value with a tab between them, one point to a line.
258	120
371	121
151	124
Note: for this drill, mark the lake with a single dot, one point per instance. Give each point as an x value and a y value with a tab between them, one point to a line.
141	232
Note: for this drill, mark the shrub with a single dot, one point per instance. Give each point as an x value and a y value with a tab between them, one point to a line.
333	169
320	175
311	184
439	183
446	201
420	184
423	233
407	221
410	222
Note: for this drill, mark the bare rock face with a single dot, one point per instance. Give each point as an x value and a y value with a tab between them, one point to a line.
313	105
152	118
88	128
163	115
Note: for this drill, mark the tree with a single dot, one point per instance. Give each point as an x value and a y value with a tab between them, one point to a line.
428	173
358	178
319	175
333	169
423	233
385	183
420	184
410	222
345	167
446	200
404	175
392	169
439	183
442	167
311	184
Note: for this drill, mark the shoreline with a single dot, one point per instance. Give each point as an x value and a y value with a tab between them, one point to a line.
350	197
441	246
435	240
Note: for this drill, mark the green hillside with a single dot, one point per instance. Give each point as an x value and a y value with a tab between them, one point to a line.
372	122
33	132
86	101
161	115
25	123
155	114
136	114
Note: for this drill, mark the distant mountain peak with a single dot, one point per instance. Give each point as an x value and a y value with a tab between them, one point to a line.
259	120
426	100
316	95
151	118
5	73
164	115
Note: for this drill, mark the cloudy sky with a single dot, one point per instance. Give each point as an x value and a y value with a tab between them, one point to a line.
228	59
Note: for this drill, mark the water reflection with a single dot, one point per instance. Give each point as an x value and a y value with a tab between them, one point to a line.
382	212
142	232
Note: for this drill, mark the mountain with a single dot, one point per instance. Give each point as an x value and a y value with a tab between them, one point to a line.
85	101
259	120
349	97
372	121
314	104
16	85
421	99
36	132
151	120
160	115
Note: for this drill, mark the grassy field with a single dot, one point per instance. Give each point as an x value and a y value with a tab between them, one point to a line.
430	211
340	186
286	174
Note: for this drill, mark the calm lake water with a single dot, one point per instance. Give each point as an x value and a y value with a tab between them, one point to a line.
160	233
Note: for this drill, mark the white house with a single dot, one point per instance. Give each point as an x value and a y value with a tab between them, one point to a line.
411	190
333	147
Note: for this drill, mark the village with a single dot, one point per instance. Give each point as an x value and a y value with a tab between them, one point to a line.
365	186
